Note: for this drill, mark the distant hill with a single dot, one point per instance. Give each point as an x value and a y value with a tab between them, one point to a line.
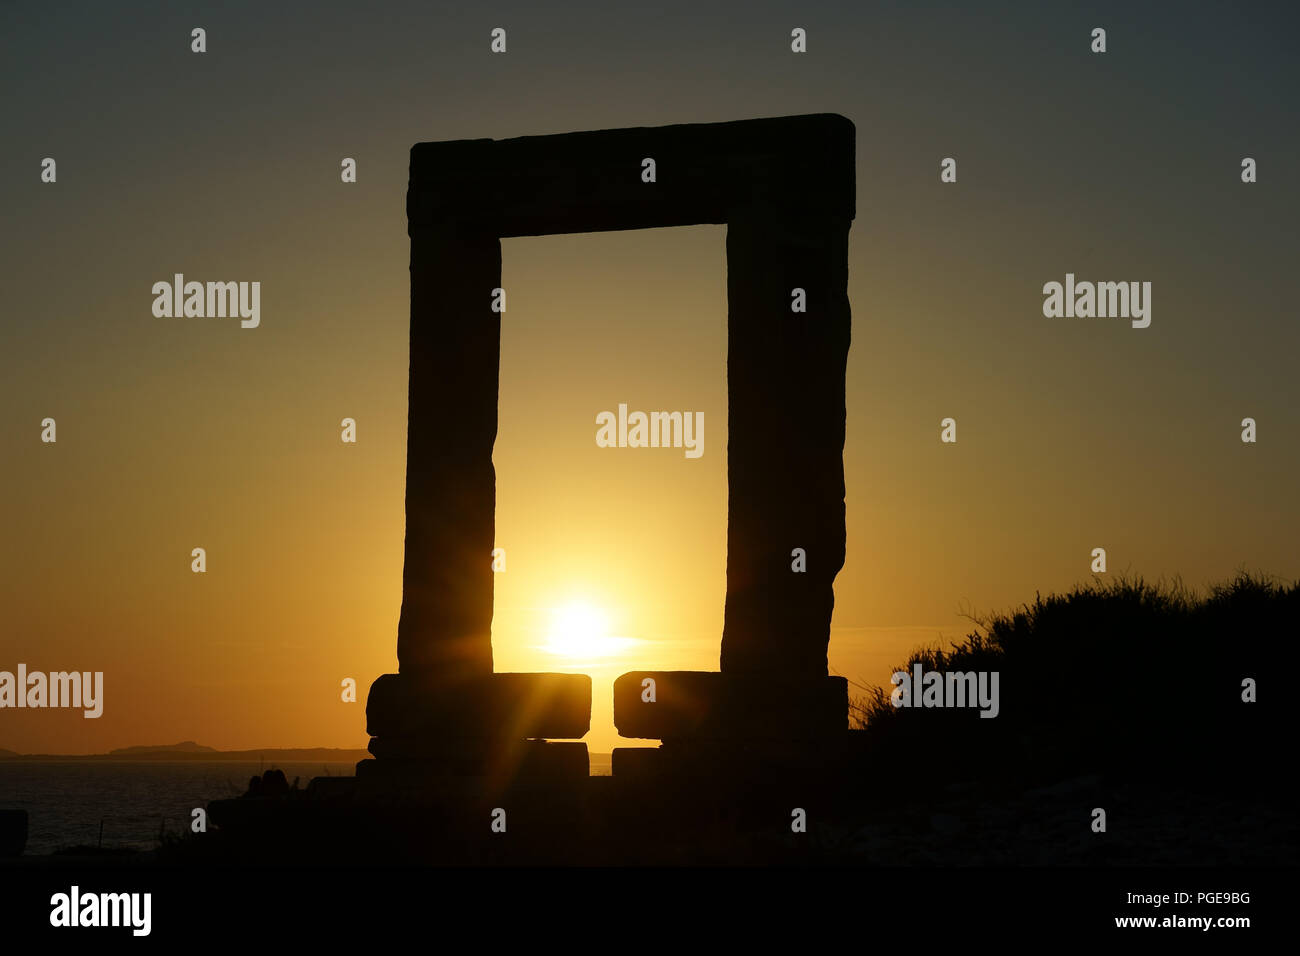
189	750
186	746
270	755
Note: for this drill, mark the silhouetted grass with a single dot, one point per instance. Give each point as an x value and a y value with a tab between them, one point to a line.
1119	676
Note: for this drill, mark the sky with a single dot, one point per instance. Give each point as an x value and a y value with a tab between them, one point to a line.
177	433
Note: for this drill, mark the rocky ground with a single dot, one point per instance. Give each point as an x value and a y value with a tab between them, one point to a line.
1146	825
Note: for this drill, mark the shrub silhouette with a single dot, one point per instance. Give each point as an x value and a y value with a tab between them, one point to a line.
1121	677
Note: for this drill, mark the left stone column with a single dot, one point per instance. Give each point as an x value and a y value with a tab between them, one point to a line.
445	630
446	712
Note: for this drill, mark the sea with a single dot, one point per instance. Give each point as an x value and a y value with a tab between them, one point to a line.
131	804
69	802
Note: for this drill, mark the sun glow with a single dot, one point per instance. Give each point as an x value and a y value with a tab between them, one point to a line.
579	630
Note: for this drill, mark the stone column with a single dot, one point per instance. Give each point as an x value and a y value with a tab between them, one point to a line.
445	630
785	465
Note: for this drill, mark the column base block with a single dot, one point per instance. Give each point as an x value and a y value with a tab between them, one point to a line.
497	706
708	704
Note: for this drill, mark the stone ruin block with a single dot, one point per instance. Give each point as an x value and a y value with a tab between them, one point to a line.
743	761
716	705
496	707
497	762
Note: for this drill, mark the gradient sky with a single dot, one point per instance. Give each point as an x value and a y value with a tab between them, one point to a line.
183	433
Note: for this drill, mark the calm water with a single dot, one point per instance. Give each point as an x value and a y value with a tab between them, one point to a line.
66	800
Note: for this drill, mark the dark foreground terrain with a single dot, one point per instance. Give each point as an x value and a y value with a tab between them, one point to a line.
1137	726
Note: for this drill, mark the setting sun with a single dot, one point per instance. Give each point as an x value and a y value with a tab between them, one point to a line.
581	630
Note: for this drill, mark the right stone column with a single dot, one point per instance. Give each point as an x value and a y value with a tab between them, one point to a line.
785	453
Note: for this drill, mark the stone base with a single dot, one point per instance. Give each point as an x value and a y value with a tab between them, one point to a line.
510	706
704	704
403	762
742	762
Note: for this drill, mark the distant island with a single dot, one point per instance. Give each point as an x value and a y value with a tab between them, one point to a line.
185	746
189	750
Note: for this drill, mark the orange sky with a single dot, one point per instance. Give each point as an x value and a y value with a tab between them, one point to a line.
227	449
183	433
